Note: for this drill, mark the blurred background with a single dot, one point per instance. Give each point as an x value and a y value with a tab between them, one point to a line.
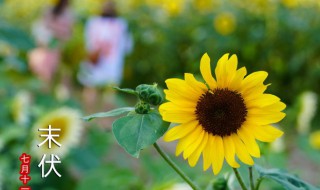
41	83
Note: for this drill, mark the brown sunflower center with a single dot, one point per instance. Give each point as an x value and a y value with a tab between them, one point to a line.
221	112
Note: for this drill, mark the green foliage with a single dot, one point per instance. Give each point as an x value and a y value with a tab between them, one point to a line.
219	184
166	47
126	90
15	37
110	177
288	181
15	63
138	131
141	128
89	155
115	112
308	151
11	134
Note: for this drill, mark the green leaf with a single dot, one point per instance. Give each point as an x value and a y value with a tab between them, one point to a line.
90	154
126	90
288	181
110	177
138	131
15	37
11	133
16	63
111	113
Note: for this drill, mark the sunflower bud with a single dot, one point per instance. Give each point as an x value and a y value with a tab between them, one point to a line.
142	91
149	94
142	108
155	98
220	184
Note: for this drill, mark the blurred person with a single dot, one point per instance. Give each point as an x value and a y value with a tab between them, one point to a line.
107	42
51	31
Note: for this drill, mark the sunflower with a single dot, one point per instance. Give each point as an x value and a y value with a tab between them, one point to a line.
223	117
67	120
225	23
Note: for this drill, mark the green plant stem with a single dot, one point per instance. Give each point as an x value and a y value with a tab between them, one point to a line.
251	178
259	180
175	167
239	179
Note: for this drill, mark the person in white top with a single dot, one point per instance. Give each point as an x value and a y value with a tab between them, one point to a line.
107	42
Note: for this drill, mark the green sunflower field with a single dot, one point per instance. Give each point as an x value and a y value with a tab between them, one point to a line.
102	148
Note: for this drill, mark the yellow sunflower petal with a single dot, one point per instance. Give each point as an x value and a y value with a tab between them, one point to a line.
252	80
187	140
179	131
181	101
231	69
224	58
218	155
192	147
279	106
181	87
205	70
250	142
208	152
169	106
255	92
265	133
220	70
237	79
262	117
198	86
262	101
172	113
194	157
174	116
241	150
230	151
232	63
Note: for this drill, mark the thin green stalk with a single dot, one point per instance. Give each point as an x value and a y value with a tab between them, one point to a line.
259	180
175	167
239	179
251	178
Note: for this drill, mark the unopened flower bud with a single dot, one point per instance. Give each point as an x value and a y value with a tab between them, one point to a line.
155	98
149	94
142	108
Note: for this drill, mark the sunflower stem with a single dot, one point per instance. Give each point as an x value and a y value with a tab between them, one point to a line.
259	180
175	167
239	179
251	178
